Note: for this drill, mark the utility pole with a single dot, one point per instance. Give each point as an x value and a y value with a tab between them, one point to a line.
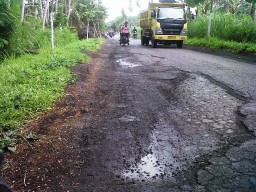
46	12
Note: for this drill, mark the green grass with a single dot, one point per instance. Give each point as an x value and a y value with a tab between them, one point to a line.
216	43
31	83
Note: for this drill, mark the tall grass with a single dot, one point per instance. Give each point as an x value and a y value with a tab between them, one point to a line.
30	37
228	27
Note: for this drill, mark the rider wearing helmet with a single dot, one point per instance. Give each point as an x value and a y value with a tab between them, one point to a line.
134	30
135	33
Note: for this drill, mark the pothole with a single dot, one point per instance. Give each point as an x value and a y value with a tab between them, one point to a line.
200	120
125	64
156	165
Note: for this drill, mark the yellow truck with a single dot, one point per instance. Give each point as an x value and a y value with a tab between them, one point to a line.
163	23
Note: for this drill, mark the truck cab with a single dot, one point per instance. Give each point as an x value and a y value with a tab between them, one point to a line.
164	23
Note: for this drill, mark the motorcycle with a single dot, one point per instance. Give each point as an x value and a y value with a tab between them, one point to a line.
124	40
135	35
111	34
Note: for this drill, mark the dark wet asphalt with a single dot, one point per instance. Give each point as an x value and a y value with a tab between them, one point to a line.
173	120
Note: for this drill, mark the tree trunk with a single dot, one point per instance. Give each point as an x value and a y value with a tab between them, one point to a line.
209	25
57	3
22	11
206	8
46	13
69	11
41	9
252	12
94	31
99	28
36	9
87	31
52	30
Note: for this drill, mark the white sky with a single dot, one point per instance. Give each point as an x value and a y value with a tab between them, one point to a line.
114	7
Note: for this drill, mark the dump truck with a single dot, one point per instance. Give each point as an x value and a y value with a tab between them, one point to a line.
163	23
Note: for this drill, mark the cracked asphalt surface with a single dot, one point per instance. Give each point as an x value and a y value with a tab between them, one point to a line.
154	120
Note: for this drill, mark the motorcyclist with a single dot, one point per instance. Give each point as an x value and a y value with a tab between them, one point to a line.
134	32
125	31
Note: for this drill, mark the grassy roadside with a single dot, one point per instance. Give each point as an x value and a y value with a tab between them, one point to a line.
31	83
215	43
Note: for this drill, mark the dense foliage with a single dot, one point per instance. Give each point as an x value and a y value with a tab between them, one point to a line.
232	25
7	23
24	27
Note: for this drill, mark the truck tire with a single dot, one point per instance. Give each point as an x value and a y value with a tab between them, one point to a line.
179	44
153	42
147	42
142	39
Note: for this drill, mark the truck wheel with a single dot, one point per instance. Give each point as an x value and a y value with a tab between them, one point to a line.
142	40
179	44
153	42
147	42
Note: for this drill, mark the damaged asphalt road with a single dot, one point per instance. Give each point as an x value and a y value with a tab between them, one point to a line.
159	120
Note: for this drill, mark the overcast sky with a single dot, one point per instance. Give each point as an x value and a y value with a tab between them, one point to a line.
114	7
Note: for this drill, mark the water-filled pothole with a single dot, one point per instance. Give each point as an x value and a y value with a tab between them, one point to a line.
125	64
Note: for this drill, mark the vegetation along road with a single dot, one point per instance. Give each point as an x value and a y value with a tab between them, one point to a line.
144	119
